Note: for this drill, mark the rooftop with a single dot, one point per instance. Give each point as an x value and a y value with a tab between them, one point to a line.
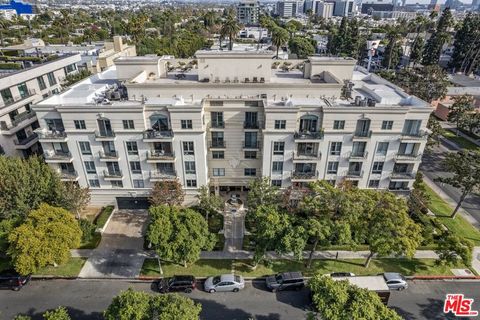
464	81
28	63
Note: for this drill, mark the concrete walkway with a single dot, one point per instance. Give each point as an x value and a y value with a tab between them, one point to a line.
120	253
234	224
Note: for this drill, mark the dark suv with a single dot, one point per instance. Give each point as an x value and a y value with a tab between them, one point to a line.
285	281
10	279
177	283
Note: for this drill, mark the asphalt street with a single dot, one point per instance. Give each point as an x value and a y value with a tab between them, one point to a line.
86	299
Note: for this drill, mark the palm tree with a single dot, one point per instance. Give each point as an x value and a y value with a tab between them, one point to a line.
230	28
279	37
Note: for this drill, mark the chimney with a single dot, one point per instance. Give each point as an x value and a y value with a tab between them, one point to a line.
117	43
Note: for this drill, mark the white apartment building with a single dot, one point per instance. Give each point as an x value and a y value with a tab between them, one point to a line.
19	90
228	119
248	12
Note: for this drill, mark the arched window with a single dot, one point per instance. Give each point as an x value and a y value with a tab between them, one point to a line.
159	122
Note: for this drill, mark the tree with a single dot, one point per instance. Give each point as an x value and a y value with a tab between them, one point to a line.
208	202
45	238
393	51
261	192
75	77
320	230
60	313
279	38
459	109
439	37
418	199
390	229
292	27
74	198
451	248
417	51
135	305
436	131
168	192
301	46
466	56
336	300
465	167
178	235
3	26
230	28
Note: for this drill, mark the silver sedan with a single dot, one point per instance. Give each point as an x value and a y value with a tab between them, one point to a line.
224	282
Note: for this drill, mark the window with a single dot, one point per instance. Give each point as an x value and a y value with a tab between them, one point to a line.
277	183
412	127
250	172
128	124
132	147
218	172
135	167
190	167
251	140
332	167
188	148
79	124
335	148
250	154
41	83
373	183
377	167
51	79
94	183
387	125
382	148
191	183
186	124
277	166
339	124
7	96
217	118
90	167
138	184
22	88
218	154
116	184
278	148
70	68
85	147
280	124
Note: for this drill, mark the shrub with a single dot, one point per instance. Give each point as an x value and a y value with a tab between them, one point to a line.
88	229
102	218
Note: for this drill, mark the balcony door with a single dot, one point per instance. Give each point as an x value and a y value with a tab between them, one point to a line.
165	167
308	123
412	127
363	127
359	148
307	149
55	125
407	148
305	167
105	127
159	122
354	167
250	139
251	118
113	167
60	147
162	147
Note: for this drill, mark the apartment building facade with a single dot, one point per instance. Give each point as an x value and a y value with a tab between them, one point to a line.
19	90
227	118
248	12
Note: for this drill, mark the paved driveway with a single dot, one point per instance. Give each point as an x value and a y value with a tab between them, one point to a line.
120	253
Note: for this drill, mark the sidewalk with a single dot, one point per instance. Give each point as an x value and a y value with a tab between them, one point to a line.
447	125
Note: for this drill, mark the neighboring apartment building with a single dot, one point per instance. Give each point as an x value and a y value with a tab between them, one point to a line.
20	89
325	9
248	12
287	8
228	119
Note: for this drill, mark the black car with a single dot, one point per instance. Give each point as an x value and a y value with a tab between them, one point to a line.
10	279
342	274
177	283
285	281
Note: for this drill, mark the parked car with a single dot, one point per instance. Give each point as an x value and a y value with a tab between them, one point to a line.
177	283
10	279
285	281
224	282
395	281
342	274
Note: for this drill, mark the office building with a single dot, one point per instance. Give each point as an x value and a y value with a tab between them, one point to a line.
287	9
248	12
325	9
228	119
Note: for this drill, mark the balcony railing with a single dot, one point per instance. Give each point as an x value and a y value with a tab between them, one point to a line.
251	144
420	135
19	98
403	175
357	155
304	175
306	155
408	156
68	174
153	134
54	135
354	173
105	134
160	155
57	155
156	174
112	173
362	134
308	135
217	124
108	154
26	140
17	120
251	125
218	144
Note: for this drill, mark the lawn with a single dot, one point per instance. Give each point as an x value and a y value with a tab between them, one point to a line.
102	218
204	268
460	141
70	269
459	225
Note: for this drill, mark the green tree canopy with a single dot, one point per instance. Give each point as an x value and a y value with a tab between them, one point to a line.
261	192
460	109
169	192
209	203
433	48
45	238
451	248
466	52
301	46
279	38
60	313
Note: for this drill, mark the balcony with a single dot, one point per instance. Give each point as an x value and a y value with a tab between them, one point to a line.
404	175
304	175
153	135
357	155
27	142
104	135
52	136
402	157
68	175
156	175
251	125
307	135
19	122
56	156
251	145
16	99
112	175
217	124
299	156
218	145
354	174
160	156
420	135
108	155
362	135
